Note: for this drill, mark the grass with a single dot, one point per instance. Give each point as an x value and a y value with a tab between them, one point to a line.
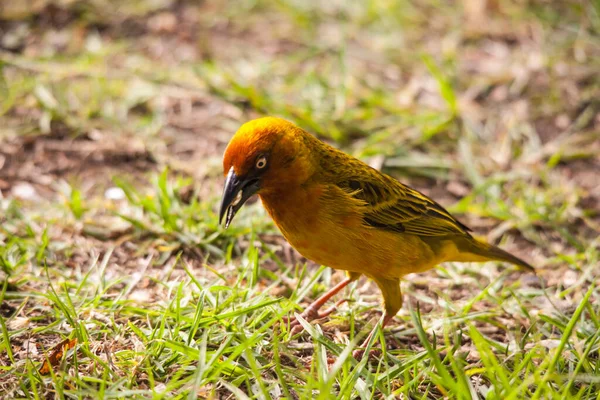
113	264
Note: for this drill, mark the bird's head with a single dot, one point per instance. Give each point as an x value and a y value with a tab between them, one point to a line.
264	155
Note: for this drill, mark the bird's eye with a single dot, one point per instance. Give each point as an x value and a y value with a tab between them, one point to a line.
261	162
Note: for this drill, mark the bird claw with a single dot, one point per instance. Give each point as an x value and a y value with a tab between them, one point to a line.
311	314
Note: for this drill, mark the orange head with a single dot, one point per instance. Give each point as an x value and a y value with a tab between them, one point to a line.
264	155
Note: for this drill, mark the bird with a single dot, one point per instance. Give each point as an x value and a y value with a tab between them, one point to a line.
338	211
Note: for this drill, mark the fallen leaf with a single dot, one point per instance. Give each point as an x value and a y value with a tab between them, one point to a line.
57	355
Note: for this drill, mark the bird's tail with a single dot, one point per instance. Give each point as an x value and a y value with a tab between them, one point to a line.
479	250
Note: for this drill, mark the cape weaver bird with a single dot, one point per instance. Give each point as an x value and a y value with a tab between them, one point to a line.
338	211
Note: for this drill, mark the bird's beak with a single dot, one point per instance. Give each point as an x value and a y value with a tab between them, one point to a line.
237	190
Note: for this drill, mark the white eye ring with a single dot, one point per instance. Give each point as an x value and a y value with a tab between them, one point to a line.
261	162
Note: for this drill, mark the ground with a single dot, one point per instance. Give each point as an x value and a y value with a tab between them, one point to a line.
114	117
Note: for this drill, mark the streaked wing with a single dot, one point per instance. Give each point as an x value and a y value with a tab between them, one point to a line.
395	207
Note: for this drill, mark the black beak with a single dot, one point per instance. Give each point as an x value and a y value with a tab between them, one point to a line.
235	194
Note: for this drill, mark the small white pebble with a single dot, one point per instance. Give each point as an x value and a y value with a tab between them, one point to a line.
24	191
140	296
562	121
114	193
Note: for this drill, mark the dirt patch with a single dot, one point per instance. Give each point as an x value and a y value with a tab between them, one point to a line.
41	160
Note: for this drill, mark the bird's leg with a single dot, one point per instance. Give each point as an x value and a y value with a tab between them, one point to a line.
312	311
392	298
361	349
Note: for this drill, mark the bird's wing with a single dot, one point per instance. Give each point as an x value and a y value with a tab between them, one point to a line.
392	206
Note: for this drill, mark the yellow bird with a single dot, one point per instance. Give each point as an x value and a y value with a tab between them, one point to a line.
338	211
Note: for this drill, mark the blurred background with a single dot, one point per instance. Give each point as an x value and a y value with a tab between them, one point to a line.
490	106
417	85
114	116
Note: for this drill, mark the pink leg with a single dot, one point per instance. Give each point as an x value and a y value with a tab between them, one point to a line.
392	296
312	311
359	351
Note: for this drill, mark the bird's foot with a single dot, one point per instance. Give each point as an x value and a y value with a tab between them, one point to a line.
310	314
359	352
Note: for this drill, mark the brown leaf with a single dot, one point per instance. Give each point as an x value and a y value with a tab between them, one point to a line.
57	355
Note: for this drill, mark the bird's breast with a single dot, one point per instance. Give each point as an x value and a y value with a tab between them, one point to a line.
327	227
